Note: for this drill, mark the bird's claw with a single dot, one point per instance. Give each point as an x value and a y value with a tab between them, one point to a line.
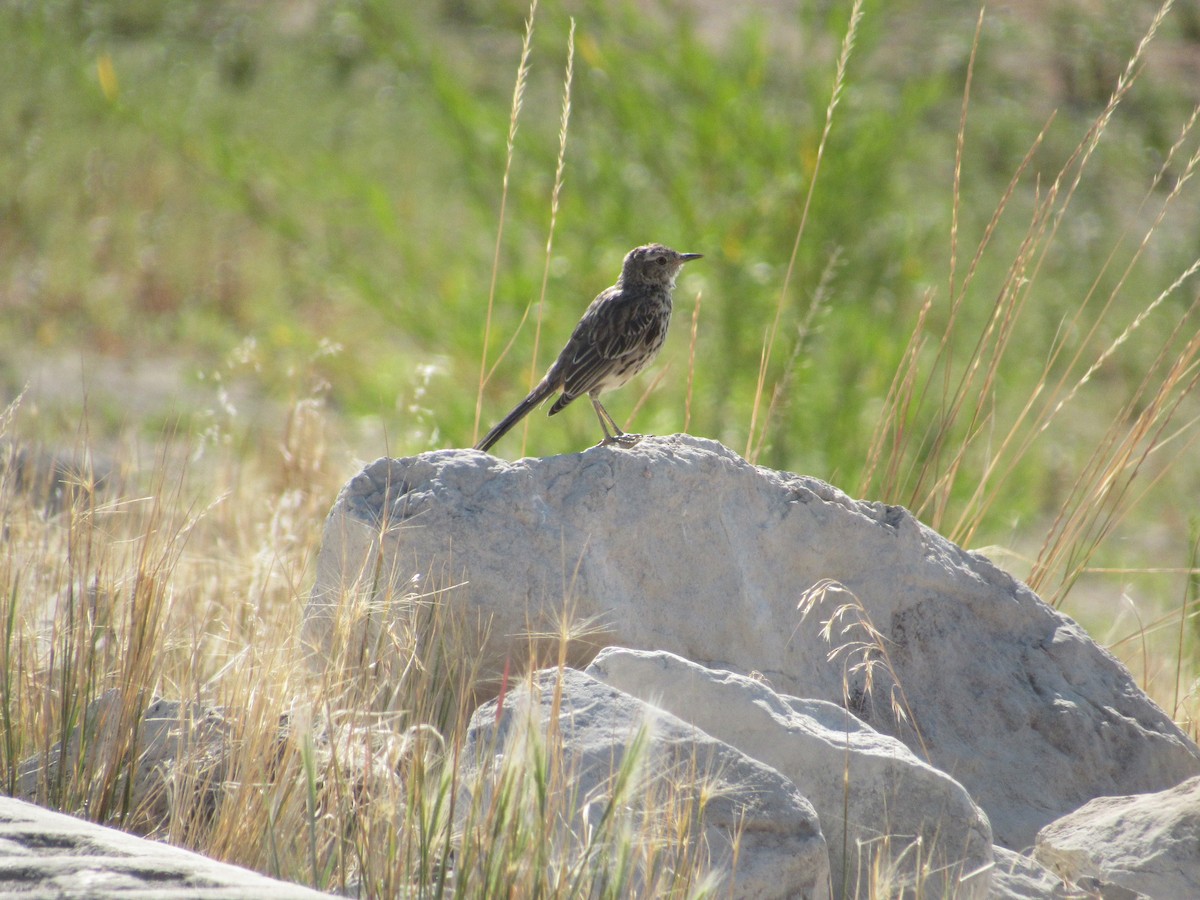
621	440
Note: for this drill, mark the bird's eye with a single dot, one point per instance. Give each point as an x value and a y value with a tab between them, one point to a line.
661	260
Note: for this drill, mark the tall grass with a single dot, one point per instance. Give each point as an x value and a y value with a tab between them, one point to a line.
513	119
754	443
555	194
943	424
300	775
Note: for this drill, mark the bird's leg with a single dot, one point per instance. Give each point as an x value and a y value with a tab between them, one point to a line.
617	436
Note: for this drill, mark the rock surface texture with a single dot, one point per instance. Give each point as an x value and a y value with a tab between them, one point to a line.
900	816
1017	877
680	545
48	854
730	796
1148	843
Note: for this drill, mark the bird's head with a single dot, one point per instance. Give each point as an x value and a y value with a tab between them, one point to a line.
654	264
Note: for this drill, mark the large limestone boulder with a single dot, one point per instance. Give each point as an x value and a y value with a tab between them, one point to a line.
887	817
629	771
1149	843
680	545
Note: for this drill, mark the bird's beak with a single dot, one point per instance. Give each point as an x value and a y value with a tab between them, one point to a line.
688	257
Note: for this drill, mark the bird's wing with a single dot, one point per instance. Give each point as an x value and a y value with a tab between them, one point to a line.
611	329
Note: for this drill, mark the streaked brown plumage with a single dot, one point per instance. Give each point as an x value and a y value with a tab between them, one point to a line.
619	335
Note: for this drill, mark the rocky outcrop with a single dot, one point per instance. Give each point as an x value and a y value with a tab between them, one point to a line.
958	709
680	545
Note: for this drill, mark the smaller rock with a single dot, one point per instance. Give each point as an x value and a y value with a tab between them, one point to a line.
1019	877
902	821
56	479
180	757
627	771
1145	843
180	749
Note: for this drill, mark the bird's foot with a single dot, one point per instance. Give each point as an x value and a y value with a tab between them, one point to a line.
621	440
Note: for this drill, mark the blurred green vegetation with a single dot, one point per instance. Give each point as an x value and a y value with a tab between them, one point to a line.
213	186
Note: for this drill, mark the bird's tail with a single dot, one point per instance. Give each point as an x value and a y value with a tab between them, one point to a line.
544	389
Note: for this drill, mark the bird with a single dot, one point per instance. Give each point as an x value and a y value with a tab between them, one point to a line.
618	336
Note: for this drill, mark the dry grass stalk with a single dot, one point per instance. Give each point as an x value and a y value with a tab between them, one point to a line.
853	637
513	119
756	435
924	467
559	171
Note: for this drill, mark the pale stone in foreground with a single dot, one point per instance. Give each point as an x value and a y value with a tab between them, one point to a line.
46	854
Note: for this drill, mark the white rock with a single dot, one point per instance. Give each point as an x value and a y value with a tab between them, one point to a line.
780	850
1148	843
1018	877
915	821
680	545
46	854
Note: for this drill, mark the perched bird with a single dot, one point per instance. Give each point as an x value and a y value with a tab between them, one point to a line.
619	335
